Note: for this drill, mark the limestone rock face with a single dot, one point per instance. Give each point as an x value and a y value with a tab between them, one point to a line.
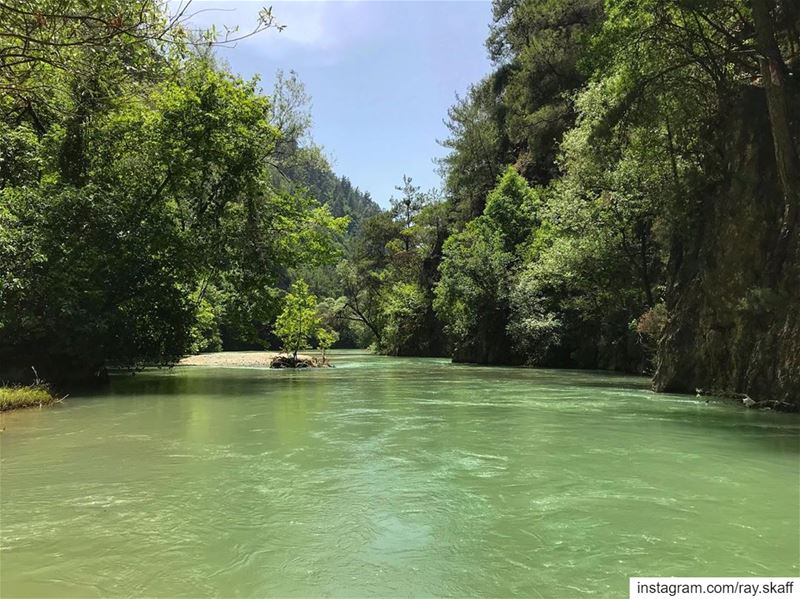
731	327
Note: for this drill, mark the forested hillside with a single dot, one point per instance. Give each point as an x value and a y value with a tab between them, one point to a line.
620	193
301	164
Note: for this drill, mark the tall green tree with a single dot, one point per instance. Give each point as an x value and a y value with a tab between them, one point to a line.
298	321
472	295
406	208
538	47
478	149
513	206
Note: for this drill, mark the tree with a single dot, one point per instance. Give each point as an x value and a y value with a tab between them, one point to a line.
45	37
538	47
325	340
478	149
472	295
298	320
364	272
363	290
775	77
479	267
403	309
513	207
407	207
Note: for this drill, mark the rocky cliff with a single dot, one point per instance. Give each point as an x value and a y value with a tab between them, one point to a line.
734	315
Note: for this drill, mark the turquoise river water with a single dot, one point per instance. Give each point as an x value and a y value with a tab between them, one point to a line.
390	477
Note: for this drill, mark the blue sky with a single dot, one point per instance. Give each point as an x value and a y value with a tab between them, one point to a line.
381	75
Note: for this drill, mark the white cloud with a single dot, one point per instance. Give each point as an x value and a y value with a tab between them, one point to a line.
322	29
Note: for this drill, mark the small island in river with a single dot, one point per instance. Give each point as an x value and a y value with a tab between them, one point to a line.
255	359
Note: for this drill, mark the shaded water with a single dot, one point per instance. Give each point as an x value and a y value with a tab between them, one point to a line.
390	477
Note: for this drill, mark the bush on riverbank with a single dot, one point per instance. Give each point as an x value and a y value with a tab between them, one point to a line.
12	398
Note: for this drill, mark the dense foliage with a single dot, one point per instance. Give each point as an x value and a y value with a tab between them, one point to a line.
585	178
140	214
621	115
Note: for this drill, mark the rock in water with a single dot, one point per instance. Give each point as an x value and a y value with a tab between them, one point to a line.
285	361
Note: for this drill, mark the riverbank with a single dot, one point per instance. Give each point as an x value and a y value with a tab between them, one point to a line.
243	359
13	398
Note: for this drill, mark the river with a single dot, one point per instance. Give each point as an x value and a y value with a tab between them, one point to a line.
390	477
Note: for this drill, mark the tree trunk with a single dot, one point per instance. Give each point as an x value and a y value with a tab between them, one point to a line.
773	73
